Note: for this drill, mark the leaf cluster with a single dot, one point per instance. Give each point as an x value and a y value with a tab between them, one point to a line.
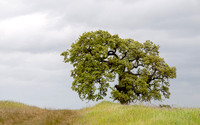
98	57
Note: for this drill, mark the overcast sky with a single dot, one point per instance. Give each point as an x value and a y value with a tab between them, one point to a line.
33	33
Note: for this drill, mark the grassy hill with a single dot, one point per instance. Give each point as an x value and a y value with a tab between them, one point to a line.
104	113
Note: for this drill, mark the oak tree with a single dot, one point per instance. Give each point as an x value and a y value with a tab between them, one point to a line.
99	57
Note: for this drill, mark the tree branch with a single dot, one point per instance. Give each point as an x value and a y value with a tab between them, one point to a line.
137	64
151	77
131	60
124	55
129	72
111	52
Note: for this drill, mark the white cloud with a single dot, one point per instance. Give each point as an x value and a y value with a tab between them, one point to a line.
22	68
35	33
19	32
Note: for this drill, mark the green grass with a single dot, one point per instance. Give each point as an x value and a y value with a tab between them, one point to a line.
104	113
107	113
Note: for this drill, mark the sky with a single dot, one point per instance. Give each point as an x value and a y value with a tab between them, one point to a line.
33	33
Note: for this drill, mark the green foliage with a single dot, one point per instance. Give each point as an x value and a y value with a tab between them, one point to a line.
98	57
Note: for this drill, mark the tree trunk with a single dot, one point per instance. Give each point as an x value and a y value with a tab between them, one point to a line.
121	88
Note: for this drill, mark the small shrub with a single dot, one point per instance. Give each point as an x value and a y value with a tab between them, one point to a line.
165	106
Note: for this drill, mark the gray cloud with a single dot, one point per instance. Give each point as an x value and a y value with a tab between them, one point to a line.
35	32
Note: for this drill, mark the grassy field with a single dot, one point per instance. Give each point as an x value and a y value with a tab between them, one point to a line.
104	113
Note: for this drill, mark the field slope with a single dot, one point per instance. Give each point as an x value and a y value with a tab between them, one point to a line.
104	113
12	113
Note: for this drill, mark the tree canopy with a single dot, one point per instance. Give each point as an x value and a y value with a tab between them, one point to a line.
99	57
